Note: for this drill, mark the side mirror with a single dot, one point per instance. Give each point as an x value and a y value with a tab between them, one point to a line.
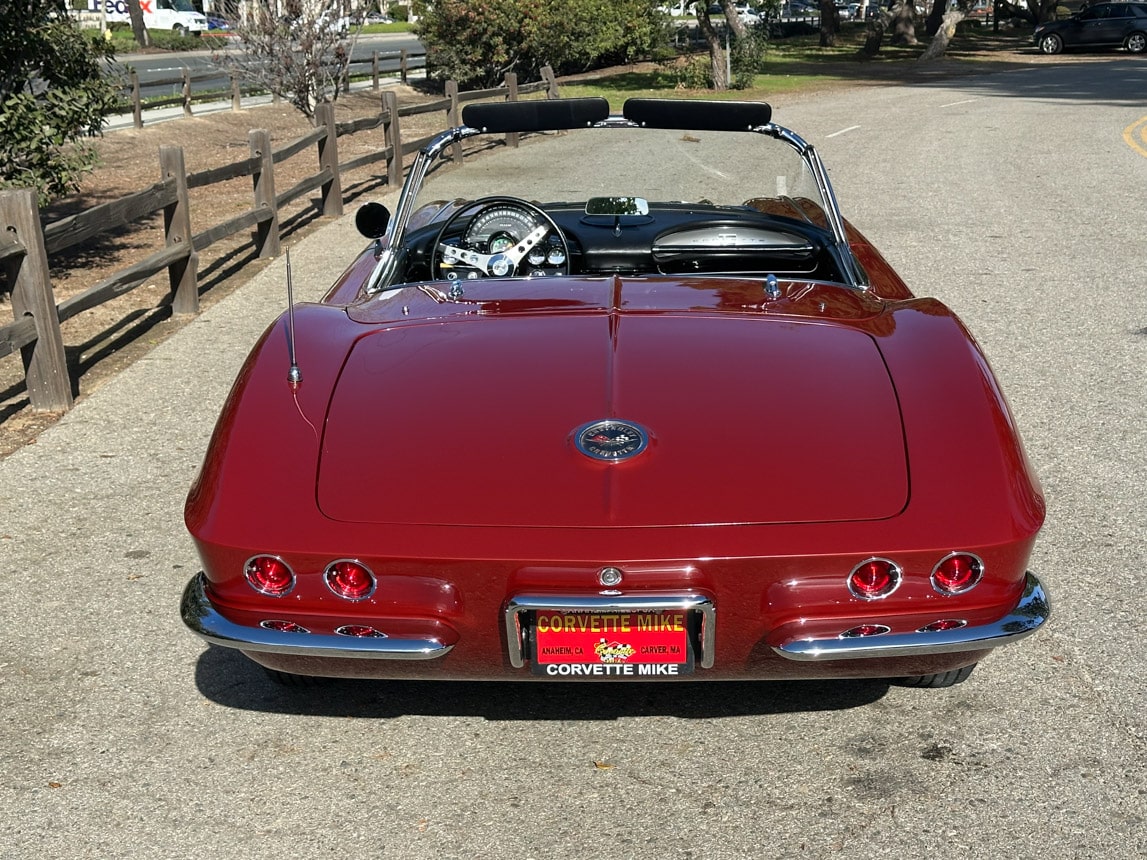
372	220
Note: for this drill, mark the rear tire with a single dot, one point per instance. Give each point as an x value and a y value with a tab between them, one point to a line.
937	681
287	679
1137	43
1051	44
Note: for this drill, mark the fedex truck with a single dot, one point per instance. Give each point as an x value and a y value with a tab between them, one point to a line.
178	16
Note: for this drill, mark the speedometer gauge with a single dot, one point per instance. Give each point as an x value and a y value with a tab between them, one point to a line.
498	228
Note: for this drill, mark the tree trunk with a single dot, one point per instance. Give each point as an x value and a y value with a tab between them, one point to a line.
904	24
829	23
719	73
935	17
1041	10
142	38
733	19
874	36
939	43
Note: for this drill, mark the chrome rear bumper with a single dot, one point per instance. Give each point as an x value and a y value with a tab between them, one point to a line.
1028	615
201	616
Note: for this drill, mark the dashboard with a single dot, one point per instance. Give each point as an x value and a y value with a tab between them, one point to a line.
508	237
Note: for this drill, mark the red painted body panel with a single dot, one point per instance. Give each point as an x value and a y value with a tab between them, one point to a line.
493	402
957	477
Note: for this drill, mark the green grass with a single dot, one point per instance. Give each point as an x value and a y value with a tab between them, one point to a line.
798	63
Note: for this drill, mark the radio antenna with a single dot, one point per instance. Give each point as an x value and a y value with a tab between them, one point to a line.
294	375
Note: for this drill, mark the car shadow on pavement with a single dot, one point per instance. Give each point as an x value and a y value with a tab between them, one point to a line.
229	679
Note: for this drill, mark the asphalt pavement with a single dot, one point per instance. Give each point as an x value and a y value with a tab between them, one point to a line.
1017	198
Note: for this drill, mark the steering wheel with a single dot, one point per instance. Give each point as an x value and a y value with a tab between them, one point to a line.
502	237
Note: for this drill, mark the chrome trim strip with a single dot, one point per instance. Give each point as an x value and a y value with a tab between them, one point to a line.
610	603
1029	614
204	620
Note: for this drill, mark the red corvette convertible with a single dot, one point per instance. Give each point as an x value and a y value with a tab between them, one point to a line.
630	402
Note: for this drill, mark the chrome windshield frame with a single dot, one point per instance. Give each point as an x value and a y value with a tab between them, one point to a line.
384	270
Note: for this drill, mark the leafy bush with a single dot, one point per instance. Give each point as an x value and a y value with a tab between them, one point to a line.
748	57
52	98
475	42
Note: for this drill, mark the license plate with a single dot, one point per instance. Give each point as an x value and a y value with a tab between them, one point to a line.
612	644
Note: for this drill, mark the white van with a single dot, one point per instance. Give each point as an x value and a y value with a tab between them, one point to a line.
178	16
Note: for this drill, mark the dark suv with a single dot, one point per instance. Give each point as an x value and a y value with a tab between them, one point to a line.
1104	25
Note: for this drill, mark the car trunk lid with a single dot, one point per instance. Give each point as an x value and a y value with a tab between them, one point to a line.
473	421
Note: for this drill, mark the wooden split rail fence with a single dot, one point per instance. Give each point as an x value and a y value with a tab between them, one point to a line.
26	245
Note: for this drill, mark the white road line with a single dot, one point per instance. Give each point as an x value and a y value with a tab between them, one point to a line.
842	131
964	102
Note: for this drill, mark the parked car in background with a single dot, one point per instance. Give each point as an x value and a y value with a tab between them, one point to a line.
576	413
1105	25
332	22
797	9
748	15
981	11
178	16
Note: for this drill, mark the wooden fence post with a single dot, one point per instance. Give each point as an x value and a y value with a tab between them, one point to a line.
403	67
236	94
512	96
186	91
548	77
136	104
45	363
452	118
392	134
182	274
374	71
267	231
332	191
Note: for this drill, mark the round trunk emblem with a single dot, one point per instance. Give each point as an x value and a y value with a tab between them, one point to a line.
611	440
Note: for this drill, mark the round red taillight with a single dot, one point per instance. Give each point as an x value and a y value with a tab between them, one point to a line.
957	573
269	575
349	579
874	578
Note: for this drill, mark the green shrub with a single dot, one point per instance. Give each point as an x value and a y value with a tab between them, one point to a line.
52	99
475	42
748	58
